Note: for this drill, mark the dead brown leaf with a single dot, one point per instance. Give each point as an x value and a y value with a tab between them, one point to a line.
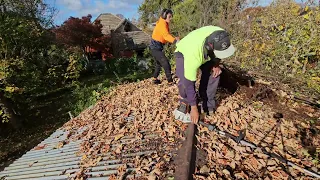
119	136
233	164
152	176
226	172
156	171
204	169
59	145
241	175
222	161
39	147
119	149
31	164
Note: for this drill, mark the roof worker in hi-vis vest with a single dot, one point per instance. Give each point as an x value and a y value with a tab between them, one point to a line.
200	49
160	36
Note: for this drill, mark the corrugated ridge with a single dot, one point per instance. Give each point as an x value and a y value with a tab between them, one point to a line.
55	163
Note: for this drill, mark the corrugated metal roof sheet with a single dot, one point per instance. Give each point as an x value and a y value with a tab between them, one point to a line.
52	162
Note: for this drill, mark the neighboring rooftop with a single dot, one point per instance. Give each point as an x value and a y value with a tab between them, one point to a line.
109	22
126	35
115	23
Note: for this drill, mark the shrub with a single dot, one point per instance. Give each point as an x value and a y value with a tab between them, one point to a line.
282	40
121	65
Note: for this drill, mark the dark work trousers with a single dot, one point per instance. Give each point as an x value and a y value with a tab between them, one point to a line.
208	84
161	61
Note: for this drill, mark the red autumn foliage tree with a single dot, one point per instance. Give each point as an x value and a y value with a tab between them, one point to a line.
82	33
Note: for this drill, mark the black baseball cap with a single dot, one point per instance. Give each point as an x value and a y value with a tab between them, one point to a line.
222	46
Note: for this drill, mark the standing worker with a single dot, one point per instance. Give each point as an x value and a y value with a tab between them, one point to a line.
160	36
200	49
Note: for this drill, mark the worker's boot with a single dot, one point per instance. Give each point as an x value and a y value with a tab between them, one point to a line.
209	114
182	113
156	81
171	83
209	111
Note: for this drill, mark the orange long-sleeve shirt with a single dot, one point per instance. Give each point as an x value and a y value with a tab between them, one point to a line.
161	32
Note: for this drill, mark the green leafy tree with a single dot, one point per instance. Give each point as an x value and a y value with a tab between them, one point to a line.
282	40
150	9
25	42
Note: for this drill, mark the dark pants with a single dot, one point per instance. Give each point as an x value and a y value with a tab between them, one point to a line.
208	84
161	61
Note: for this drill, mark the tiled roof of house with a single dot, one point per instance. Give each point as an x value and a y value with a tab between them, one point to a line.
109	22
131	40
134	39
139	37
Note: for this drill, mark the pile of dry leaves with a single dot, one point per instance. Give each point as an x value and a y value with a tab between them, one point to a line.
133	118
226	158
137	117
